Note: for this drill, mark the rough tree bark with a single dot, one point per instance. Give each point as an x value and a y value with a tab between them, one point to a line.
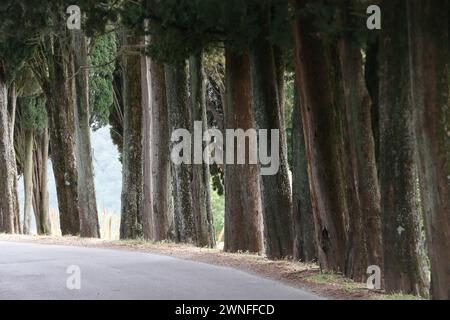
180	118
303	217
28	180
201	197
322	111
280	69
147	145
399	199
372	83
7	207
132	171
275	189
40	189
12	106
161	175
89	225
430	67
243	216
59	91
366	217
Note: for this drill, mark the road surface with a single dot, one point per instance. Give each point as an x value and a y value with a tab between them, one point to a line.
36	271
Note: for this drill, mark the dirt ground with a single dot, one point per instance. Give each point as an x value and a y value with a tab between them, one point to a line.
295	274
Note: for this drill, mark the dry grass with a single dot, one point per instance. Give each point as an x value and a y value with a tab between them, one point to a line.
54	223
109	224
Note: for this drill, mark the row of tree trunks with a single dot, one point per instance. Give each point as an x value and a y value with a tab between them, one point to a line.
243	212
31	149
59	91
193	222
132	155
322	110
399	199
275	189
40	188
89	225
413	81
62	72
340	148
365	216
430	66
201	198
180	118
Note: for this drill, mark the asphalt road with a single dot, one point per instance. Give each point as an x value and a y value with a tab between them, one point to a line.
35	271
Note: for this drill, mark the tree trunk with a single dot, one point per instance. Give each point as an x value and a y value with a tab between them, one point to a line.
28	181
303	217
275	189
7	207
180	118
201	198
12	106
61	119
322	111
372	82
366	218
162	209
280	68
89	224
429	47
147	206
399	200
243	216
132	184
40	189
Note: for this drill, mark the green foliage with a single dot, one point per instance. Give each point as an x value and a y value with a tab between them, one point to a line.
324	14
214	63
23	23
218	209
20	21
33	115
217	178
180	28
337	280
398	296
327	16
102	64
101	15
281	24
